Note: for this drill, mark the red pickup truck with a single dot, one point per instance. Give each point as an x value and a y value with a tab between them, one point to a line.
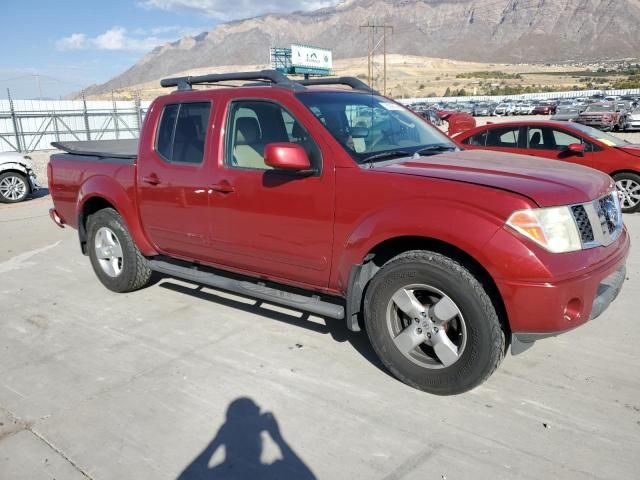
344	204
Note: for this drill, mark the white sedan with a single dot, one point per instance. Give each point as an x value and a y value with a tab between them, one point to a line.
17	178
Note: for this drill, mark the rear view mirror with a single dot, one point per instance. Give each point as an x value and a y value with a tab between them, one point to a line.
286	156
577	148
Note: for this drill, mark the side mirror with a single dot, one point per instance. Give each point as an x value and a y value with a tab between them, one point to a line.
577	148
287	156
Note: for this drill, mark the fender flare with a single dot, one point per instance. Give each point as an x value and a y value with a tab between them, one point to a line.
108	189
356	266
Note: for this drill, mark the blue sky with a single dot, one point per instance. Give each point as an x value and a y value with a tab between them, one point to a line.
71	44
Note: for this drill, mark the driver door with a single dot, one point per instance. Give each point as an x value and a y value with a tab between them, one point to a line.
269	222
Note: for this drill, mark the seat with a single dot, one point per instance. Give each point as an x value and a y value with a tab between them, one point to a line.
188	145
535	141
248	150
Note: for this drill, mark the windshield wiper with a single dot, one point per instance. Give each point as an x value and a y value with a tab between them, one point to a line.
435	149
385	155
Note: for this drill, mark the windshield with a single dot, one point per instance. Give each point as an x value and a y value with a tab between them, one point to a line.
599	108
368	125
596	134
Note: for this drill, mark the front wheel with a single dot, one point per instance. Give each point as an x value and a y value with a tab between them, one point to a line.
432	323
628	185
14	187
116	260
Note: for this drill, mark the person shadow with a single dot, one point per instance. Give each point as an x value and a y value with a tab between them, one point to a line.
241	437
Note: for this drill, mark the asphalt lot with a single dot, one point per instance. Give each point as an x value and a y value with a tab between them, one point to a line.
105	386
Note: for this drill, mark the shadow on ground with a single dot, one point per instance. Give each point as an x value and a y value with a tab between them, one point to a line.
241	439
336	328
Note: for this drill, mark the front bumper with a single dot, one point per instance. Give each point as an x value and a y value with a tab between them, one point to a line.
33	182
632	124
606	292
599	124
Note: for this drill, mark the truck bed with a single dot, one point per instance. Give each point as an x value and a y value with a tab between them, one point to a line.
122	149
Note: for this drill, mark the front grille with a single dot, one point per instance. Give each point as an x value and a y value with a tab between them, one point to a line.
608	213
599	222
584	226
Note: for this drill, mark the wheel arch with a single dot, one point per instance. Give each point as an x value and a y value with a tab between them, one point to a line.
361	275
618	172
101	192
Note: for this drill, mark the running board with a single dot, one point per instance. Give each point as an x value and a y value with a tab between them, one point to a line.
312	304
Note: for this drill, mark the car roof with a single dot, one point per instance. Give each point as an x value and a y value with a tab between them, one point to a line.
516	123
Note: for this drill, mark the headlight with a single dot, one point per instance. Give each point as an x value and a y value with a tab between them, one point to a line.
552	228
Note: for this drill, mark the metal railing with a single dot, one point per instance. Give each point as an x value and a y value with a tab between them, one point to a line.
28	125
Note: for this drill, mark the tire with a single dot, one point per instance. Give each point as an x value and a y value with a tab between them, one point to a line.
14	187
628	184
115	259
475	331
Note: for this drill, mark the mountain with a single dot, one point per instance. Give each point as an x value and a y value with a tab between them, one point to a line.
505	31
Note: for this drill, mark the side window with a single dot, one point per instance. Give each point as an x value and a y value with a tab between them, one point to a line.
536	139
563	139
183	131
506	137
164	142
254	124
479	139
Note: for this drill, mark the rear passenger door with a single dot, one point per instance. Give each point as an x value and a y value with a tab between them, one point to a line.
172	181
269	222
506	139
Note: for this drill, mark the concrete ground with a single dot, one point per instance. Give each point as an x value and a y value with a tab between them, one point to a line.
174	380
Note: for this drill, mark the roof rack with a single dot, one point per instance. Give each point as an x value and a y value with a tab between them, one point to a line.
352	82
271	76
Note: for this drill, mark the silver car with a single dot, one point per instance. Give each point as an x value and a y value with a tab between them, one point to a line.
17	178
632	120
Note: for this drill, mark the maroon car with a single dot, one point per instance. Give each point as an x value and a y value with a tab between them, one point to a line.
567	141
604	116
544	109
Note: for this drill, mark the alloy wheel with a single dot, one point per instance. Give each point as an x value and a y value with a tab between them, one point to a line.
427	326
13	188
108	252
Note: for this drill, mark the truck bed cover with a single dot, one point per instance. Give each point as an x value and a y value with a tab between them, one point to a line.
127	149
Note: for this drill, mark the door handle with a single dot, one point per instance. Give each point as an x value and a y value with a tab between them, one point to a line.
223	187
152	179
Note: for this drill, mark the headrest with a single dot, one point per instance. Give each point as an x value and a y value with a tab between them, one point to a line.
247	131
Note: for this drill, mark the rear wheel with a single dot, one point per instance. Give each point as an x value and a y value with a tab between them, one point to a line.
116	260
432	323
628	185
14	187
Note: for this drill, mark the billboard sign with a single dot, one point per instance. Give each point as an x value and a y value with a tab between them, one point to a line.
311	57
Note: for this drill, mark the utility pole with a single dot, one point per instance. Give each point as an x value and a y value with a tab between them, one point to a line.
372	28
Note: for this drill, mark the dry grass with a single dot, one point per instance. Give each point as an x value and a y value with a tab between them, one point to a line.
407	75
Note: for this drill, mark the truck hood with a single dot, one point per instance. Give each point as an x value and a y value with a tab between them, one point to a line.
547	182
631	150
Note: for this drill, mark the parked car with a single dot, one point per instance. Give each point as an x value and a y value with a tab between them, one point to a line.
505	109
570	142
544	109
483	110
566	113
296	196
632	120
17	178
604	116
